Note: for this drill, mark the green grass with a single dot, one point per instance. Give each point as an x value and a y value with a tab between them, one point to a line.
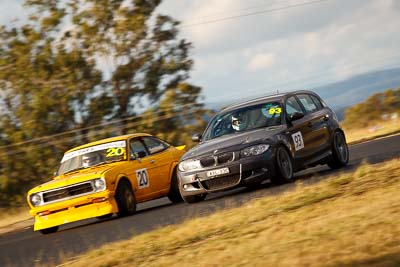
345	220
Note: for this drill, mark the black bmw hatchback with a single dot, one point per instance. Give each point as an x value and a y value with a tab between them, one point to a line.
265	138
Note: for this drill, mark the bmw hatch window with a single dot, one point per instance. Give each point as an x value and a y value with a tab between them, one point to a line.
308	103
244	119
91	156
292	106
317	102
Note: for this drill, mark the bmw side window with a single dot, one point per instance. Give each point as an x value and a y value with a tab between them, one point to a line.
138	150
317	102
154	145
292	106
308	103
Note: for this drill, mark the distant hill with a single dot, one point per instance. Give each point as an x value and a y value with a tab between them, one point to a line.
343	94
358	88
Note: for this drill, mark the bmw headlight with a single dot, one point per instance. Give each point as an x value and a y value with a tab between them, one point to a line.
99	184
35	199
254	150
189	165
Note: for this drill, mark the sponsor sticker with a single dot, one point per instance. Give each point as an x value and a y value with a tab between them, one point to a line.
113	145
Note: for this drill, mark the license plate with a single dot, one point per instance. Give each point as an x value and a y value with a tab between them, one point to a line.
217	172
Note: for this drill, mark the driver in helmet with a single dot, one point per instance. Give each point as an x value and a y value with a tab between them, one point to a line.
239	121
90	159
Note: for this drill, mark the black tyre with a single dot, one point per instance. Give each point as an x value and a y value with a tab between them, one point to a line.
49	230
194	199
284	167
253	186
340	151
125	199
103	217
174	195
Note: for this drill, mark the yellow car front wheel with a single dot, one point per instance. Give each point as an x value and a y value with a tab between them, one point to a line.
125	199
50	230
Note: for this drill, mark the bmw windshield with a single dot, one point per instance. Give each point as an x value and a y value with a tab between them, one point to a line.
244	119
91	156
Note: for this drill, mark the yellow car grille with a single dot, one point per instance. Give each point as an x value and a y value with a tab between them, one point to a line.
68	192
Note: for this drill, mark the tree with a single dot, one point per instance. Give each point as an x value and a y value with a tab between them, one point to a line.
81	63
177	116
140	50
371	110
43	87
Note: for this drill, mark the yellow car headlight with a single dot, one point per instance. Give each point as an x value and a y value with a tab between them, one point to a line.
35	199
99	184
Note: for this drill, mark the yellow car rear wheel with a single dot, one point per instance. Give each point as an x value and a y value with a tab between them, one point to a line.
174	195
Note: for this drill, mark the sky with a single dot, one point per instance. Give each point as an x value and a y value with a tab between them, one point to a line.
254	47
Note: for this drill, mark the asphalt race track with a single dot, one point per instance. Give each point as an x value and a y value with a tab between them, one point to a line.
29	248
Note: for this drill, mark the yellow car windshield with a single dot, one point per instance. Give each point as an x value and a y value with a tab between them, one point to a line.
92	155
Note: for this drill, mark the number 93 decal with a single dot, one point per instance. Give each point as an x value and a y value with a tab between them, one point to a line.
273	111
298	141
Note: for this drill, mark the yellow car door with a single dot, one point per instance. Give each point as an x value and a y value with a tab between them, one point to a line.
149	171
162	159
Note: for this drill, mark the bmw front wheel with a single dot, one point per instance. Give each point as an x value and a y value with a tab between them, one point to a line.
284	167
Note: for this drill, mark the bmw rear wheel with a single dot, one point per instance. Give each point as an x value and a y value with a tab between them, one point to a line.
340	151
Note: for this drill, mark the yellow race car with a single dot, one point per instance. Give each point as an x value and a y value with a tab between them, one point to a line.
105	177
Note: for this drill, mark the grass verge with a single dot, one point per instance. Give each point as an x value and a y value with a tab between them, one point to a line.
11	217
384	128
346	220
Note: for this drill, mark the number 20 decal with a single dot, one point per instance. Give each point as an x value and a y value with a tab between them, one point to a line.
142	178
298	141
115	151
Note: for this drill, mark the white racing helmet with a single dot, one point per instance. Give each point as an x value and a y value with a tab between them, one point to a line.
239	122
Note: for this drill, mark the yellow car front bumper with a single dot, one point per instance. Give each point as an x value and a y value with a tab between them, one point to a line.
73	210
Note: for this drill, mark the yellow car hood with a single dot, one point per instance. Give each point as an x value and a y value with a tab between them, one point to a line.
75	177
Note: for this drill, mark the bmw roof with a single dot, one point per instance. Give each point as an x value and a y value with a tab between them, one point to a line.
261	99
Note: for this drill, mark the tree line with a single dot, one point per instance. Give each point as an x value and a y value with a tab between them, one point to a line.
376	108
81	70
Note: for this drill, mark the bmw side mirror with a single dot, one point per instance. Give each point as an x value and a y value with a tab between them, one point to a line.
296	116
196	137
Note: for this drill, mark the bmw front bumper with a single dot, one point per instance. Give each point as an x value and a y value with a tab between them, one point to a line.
242	171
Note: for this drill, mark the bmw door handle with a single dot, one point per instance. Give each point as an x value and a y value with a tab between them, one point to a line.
152	161
325	117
